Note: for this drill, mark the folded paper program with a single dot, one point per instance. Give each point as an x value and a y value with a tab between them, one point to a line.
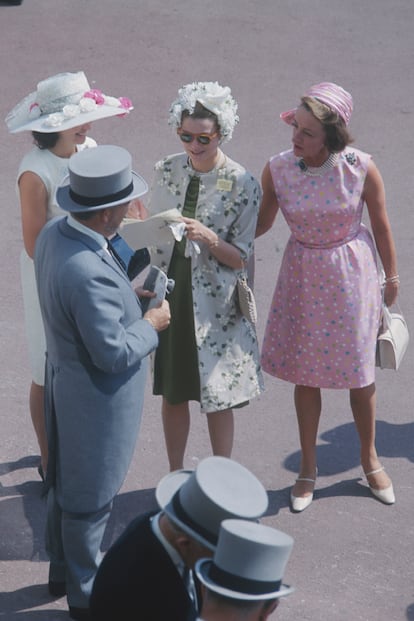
153	231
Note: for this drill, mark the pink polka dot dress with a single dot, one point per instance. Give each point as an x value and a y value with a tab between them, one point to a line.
323	320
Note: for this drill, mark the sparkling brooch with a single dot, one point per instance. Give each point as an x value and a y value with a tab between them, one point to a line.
351	158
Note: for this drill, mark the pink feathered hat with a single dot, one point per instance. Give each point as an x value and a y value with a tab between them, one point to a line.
330	94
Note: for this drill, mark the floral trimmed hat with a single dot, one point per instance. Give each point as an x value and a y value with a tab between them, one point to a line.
217	99
63	101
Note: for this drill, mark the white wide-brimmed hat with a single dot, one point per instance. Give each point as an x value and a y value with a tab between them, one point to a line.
249	562
99	178
218	489
63	101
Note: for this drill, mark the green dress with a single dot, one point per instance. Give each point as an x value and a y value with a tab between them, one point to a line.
176	374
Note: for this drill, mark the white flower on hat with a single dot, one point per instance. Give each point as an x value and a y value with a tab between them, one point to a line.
111	101
54	120
87	104
70	111
217	99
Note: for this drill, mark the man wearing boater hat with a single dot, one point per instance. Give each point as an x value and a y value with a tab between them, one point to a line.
147	573
97	342
243	582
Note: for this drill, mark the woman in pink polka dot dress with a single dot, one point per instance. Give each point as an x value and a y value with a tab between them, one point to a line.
324	317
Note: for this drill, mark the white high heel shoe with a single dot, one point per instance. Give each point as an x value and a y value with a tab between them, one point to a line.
385	495
300	503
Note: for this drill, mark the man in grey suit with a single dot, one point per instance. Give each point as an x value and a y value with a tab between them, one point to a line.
97	344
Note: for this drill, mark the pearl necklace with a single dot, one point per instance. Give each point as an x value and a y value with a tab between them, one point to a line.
318	171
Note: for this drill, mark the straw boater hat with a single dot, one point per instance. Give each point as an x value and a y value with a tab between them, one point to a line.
63	101
99	178
249	562
199	500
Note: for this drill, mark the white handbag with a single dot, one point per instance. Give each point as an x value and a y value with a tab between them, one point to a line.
392	340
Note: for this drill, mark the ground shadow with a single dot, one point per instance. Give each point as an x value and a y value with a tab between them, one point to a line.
38	615
23	518
280	499
19	601
339	450
127	507
22	525
22	515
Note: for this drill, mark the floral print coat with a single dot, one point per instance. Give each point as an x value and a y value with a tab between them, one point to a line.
228	203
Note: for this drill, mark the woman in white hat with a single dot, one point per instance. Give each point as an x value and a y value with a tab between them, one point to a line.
59	115
209	353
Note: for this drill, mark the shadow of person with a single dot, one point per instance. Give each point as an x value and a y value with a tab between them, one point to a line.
22	525
27	597
22	522
29	461
280	499
410	612
339	450
127	507
23	514
38	615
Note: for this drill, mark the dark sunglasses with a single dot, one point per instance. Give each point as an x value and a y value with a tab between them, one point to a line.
201	138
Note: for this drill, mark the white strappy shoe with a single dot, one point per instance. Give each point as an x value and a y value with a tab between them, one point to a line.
385	495
300	503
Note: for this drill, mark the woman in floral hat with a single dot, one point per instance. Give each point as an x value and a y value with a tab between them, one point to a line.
209	353
325	314
59	115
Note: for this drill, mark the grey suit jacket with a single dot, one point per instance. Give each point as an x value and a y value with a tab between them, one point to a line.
97	343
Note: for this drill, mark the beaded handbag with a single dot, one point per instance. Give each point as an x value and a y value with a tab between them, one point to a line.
247	303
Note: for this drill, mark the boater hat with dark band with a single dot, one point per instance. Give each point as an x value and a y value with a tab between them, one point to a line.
218	489
249	562
98	178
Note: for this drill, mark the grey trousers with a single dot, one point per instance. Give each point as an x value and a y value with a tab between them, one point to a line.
73	543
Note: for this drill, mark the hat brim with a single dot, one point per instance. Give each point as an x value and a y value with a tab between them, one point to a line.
66	202
202	568
169	485
289	116
100	112
166	489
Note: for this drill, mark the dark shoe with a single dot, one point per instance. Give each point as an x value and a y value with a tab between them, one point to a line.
57	589
81	614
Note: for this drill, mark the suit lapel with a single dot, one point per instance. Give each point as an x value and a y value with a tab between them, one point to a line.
93	245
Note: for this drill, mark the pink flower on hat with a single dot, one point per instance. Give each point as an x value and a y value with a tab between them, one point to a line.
125	103
96	95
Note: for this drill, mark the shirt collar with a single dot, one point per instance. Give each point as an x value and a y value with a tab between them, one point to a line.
75	224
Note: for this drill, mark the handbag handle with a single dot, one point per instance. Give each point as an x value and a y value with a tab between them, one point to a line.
387	316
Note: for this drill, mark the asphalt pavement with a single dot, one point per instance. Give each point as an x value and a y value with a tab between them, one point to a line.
353	556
